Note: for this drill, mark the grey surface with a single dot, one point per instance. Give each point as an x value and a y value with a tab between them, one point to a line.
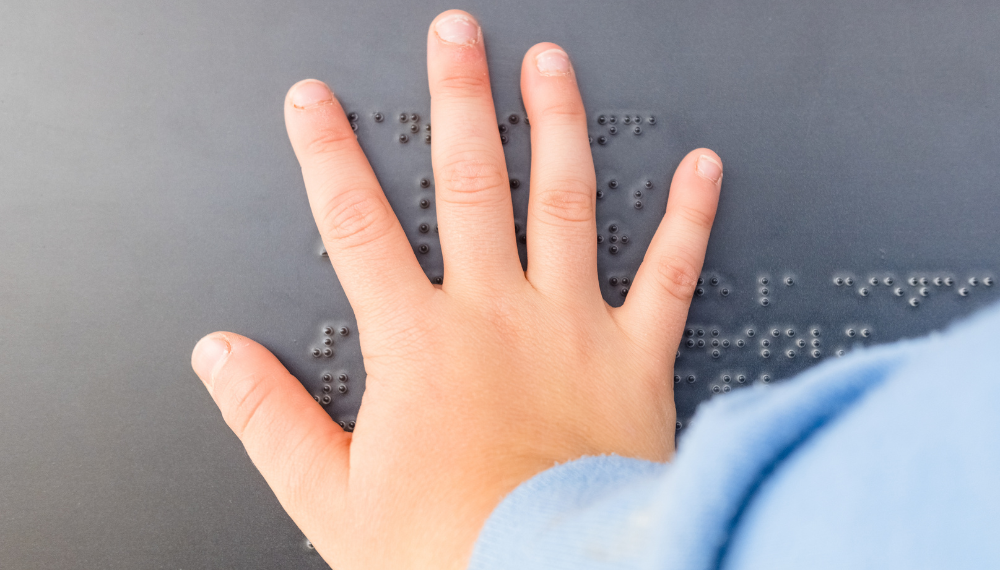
149	196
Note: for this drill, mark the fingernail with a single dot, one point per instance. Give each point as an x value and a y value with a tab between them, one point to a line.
709	168
208	353
309	92
553	62
457	29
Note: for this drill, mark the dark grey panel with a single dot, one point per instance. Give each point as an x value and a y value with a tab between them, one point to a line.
149	196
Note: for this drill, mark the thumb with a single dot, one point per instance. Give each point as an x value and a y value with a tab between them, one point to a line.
293	443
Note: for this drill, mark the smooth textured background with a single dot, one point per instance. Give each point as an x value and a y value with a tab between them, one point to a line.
148	195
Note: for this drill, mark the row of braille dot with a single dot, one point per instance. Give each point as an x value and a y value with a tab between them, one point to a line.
348	426
611	119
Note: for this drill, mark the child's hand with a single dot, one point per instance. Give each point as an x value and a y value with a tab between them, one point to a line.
477	385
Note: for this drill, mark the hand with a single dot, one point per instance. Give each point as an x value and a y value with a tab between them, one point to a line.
479	384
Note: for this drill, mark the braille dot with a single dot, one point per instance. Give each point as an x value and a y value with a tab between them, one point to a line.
963	292
775	333
423	248
600	194
600	239
691	379
316	398
701	332
677	379
503	128
354	127
627	120
699	291
679	425
716	389
914	301
866	333
612	119
612	184
741	379
801	343
328	352
637	130
765	302
863	291
637	119
714	281
689	332
379	117
427	138
850	332
726	378
715	342
923	281
751	332
342	377
414	128
740	343
790	354
601	120
898	292
789	281
328	330
725	343
873	281
613	239
317	353
524	239
888	281
425	183
924	291
815	332
938	281
724	292
503	139
327	377
590	139
624	239
602	139
613	249
815	342
515	183
342	388
690	343
513	119
638	204
838	281
764	291
350	425
427	127
765	378
613	228
624	291
425	203
651	120
614	281
328	341
973	281
342	425
726	388
648	184
764	280
424	228
637	193
414	117
352	116
815	354
701	281
949	281
403	117
327	387
715	332
765	353
790	333
403	138
437	280
625	280
849	281
988	281
765	343
613	130
344	331
913	281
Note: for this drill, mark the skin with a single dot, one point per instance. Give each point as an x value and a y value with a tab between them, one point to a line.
517	363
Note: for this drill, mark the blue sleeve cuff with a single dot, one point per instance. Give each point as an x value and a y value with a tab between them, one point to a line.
591	513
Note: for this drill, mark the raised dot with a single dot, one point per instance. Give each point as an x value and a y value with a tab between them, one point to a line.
701	332
354	127
765	353
973	281
938	281
327	330
424	228
651	120
638	204
988	281
637	130
948	281
613	249
328	352
873	281
502	128
627	120
403	138
427	138
866	333
838	281
602	139
715	342
699	291
403	117
342	377
414	117
613	238
898	292
503	139
765	378
741	343
849	281
342	424
612	119
715	332
863	291
342	388
515	183
327	387
691	379
924	281
624	291
775	333
600	239
725	343
727	388
815	332
765	343
751	332
648	184
764	280
679	425
850	332
423	248
789	281
437	280
613	228
724	292
714	281
427	127
614	281
726	378
350	425
315	397
888	281
327	377
716	353
414	128
317	353
425	203
913	281
815	342
524	239
790	333
637	119
344	331
790	353
716	389
924	291
379	117
764	291
963	292
624	239
914	301
741	379
612	184
625	280
801	343
328	341
690	343
677	379
601	120
637	193
765	302
689	332
613	130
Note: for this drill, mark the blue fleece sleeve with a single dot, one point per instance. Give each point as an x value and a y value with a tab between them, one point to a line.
886	458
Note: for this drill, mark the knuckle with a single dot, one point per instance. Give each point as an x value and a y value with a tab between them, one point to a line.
242	401
566	206
467	174
678	275
352	218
